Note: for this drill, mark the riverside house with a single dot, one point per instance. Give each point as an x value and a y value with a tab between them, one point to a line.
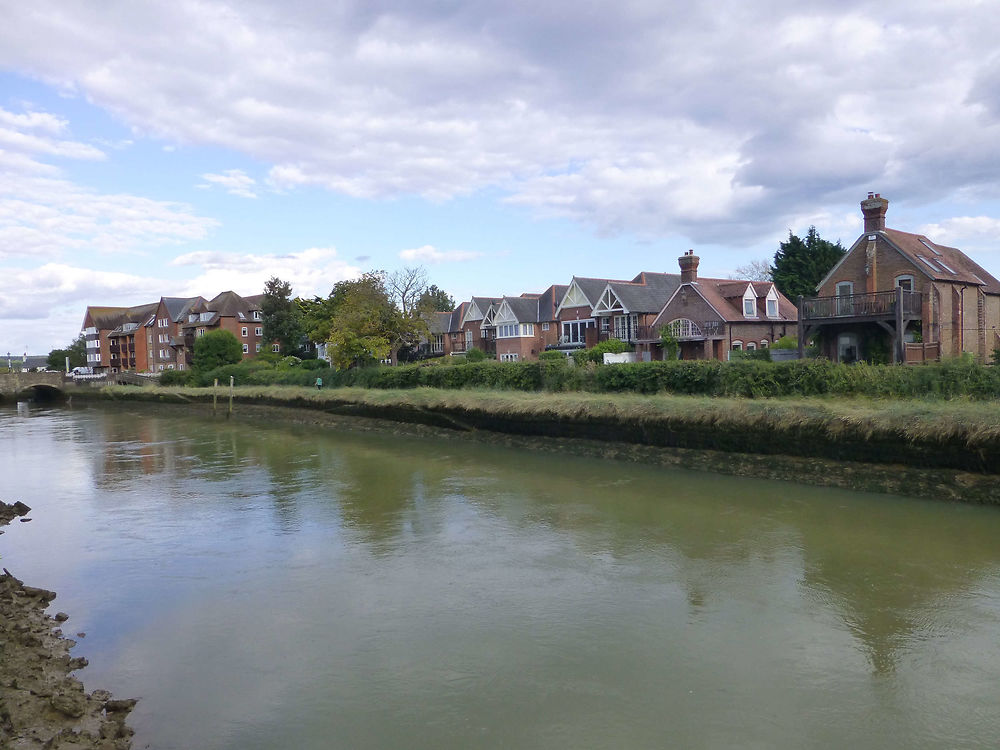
241	316
901	297
711	317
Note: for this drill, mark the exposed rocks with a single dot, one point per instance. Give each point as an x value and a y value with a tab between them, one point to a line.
41	705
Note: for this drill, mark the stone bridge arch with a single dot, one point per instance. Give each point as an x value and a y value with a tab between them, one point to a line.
40	386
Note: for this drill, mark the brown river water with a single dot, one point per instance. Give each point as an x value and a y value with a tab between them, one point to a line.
268	585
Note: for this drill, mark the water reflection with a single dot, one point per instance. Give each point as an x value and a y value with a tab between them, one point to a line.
455	583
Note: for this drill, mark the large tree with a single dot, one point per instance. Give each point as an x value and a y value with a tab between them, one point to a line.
215	349
364	321
800	264
433	299
282	317
755	270
77	353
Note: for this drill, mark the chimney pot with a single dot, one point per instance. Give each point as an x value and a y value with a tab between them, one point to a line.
689	267
873	209
871	194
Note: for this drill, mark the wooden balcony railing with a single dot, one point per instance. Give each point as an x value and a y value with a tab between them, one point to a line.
872	305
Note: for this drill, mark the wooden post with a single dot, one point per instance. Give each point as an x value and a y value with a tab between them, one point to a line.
801	331
231	380
900	349
215	396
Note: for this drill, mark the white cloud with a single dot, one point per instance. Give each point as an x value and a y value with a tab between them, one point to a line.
965	232
45	216
430	254
713	120
311	272
234	181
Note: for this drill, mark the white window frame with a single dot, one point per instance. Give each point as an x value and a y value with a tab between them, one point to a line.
751	346
509	357
244	332
276	348
258	331
737	345
904	277
764	343
246	348
257	349
545	326
772	307
258	315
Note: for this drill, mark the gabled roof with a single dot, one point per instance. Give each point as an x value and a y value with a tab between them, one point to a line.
178	307
725	297
938	262
104	317
647	296
439	323
524	309
548	301
457	317
943	263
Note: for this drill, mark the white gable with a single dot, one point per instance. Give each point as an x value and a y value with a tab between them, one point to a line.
574	297
504	314
473	313
608	303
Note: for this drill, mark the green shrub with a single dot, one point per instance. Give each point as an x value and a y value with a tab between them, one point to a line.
315	364
786	342
475	355
553	355
175	377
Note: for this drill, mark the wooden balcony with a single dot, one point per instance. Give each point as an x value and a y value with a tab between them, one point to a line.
863	307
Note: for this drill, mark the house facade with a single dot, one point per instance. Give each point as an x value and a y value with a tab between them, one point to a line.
711	317
241	316
901	297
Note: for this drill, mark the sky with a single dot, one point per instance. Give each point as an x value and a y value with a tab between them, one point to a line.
191	147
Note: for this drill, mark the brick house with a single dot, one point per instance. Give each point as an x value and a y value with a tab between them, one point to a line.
711	317
164	334
114	339
902	297
525	326
626	309
471	329
574	313
241	316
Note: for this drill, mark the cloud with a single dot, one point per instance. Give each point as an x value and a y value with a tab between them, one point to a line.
311	272
43	215
978	232
717	121
235	182
430	254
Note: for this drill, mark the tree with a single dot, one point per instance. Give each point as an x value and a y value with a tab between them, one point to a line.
362	321
282	318
799	265
433	299
755	270
77	353
215	349
406	287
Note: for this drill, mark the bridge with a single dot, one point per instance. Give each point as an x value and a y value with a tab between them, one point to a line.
38	383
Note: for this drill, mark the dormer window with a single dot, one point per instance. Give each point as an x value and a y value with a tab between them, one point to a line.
772	308
749	307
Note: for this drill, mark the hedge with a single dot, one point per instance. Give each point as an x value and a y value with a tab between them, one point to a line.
745	378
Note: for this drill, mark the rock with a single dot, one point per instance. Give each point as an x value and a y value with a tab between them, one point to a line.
61	617
24	520
81	635
101	695
122	704
70	704
78	662
20	509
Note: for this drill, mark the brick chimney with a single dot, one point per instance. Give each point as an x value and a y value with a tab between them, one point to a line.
689	267
873	208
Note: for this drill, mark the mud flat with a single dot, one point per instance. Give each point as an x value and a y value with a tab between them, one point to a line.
41	704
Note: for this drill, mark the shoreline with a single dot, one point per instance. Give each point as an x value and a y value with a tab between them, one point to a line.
42	705
901	456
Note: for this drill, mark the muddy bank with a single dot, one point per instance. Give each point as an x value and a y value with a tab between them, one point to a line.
920	481
41	704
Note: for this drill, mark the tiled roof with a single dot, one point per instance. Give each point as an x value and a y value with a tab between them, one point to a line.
439	322
943	263
525	309
549	300
648	297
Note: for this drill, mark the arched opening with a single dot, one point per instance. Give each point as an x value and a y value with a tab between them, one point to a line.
42	394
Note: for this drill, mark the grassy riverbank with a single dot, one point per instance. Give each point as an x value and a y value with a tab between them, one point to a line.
959	435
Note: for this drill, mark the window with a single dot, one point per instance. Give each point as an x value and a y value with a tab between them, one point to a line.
575	331
160	368
201	331
275	348
241	316
751	346
170	367
258	315
772	308
244	331
545	326
258	331
509	330
605	325
256	347
625	327
764	344
737	346
682	328
845	290
509	357
749	307
246	348
527	329
905	282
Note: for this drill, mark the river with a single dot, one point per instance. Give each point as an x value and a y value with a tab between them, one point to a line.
268	585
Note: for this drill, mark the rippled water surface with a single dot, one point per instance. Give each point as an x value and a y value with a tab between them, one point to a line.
272	586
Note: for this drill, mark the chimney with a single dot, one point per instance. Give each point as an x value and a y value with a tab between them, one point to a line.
873	208
689	267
